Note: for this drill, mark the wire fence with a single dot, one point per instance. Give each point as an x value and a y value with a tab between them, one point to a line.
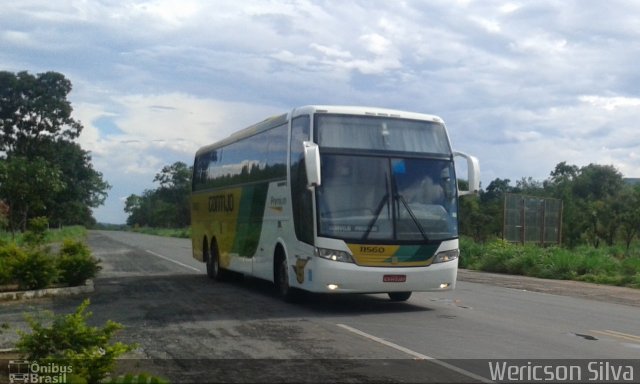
530	219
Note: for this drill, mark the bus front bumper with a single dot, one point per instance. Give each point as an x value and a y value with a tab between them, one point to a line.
328	276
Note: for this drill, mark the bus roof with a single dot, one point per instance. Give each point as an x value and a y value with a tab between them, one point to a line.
277	120
365	111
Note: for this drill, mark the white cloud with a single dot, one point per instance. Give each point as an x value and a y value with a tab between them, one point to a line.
331	51
611	103
376	44
522	136
509	8
173	122
522	85
491	26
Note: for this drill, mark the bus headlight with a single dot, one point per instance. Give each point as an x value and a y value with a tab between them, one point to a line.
443	257
332	254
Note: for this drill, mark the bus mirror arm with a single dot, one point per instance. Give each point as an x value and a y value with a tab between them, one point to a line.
312	163
473	170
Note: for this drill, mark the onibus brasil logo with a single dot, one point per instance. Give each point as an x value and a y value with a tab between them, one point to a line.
25	371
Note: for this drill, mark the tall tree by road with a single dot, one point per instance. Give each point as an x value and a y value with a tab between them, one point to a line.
36	125
34	108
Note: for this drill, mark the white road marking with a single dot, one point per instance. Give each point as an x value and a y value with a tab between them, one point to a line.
173	261
416	354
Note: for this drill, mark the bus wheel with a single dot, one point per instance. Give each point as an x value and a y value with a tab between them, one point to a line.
399	296
213	267
285	291
213	264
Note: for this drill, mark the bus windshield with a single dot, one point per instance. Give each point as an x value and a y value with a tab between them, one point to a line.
387	198
380	133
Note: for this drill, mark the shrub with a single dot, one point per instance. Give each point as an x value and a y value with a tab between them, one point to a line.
470	252
33	269
70	340
630	266
5	272
9	253
563	265
496	255
37	231
595	262
526	261
75	263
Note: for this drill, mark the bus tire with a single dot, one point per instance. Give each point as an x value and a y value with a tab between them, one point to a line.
214	271
285	291
399	296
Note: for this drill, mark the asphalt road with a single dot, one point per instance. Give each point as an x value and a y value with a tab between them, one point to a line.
191	329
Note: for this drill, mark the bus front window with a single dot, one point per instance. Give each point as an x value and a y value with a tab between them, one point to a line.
380	198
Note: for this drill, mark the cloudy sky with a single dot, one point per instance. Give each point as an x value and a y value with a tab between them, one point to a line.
523	85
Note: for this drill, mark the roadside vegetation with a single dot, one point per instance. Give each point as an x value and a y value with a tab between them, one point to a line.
599	236
604	265
184	233
52	235
32	262
82	353
43	170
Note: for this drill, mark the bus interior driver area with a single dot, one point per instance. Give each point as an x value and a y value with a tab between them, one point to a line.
364	198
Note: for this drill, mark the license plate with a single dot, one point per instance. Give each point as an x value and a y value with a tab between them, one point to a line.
394	278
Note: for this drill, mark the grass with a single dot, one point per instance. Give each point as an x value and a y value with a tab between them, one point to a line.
183	233
55	235
604	265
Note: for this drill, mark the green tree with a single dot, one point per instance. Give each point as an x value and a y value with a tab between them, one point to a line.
34	108
175	189
560	186
85	187
596	190
25	185
529	186
140	209
36	123
630	216
592	204
492	204
166	206
474	222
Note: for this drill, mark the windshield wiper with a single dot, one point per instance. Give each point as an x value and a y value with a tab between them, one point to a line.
413	216
381	204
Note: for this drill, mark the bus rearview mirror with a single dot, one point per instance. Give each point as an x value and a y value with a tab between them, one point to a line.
473	174
312	163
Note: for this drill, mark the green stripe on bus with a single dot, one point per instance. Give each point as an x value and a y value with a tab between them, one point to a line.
414	253
250	216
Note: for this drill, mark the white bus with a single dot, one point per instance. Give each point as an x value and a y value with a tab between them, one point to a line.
332	199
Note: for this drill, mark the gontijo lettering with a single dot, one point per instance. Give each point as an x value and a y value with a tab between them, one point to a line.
221	203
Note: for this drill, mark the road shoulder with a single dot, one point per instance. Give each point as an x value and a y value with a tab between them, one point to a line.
607	293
